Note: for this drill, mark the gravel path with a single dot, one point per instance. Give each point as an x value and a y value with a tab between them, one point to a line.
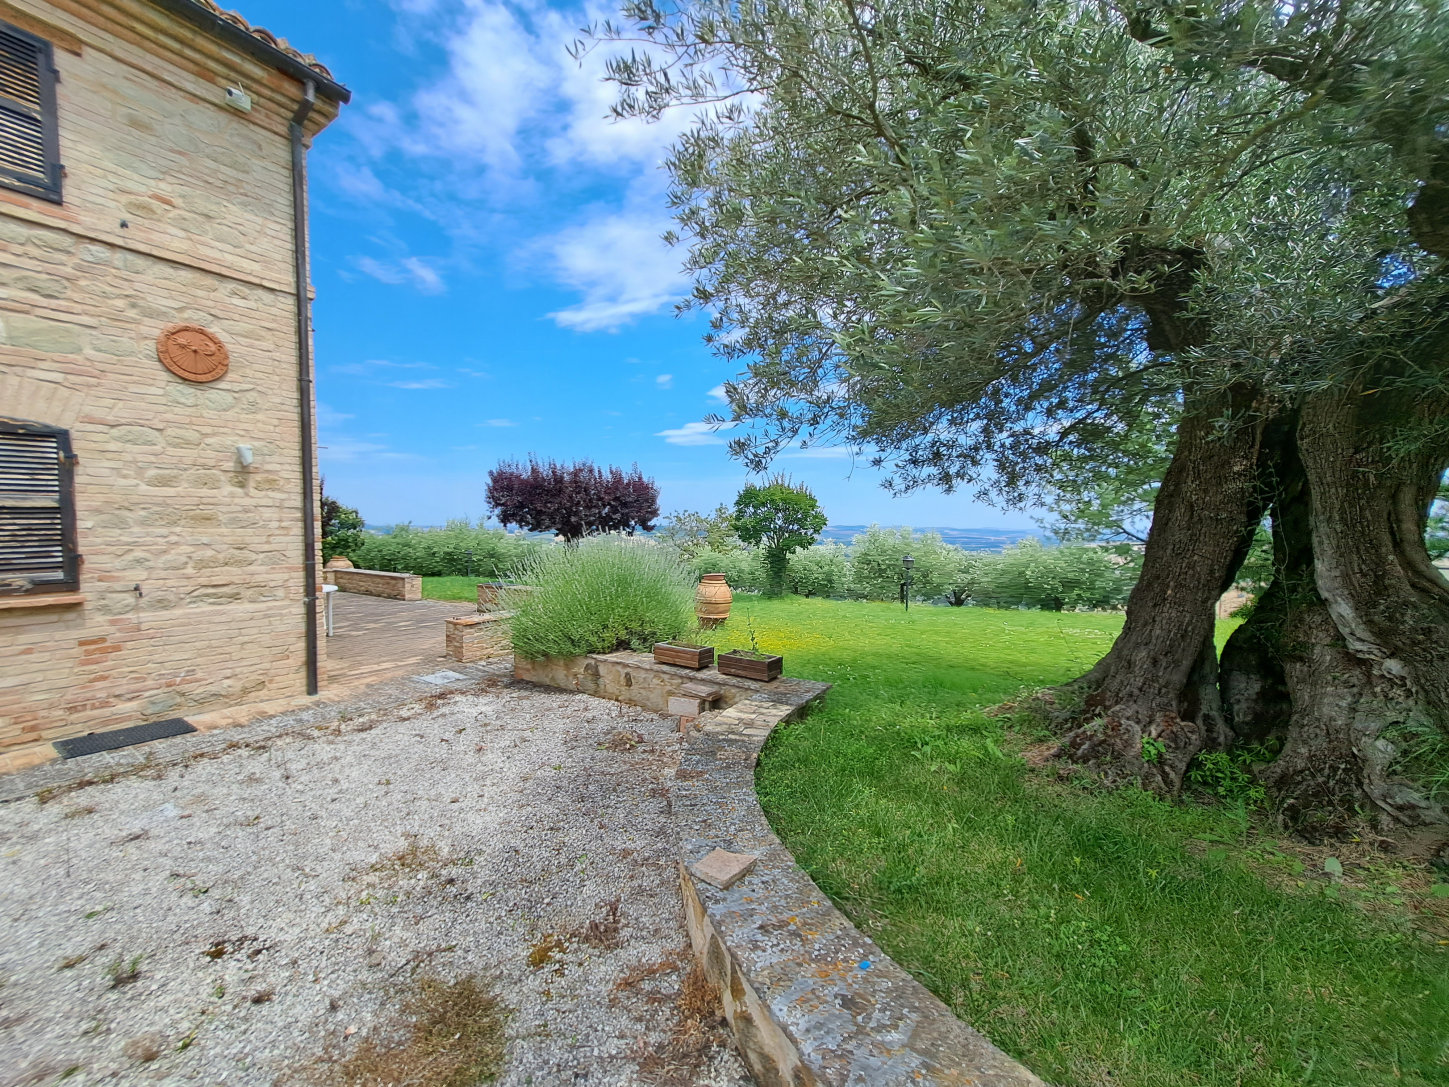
258	916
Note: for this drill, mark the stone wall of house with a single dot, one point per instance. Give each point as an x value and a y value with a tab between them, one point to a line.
177	209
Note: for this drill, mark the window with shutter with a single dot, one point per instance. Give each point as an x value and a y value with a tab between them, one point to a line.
29	140
37	510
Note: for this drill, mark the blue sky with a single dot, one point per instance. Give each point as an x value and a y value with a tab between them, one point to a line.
490	280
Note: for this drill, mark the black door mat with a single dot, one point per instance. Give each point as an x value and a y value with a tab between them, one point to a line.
121	737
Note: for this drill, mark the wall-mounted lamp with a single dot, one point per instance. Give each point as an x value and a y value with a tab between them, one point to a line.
244	456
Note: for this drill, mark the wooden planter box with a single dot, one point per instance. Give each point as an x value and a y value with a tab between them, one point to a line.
685	656
762	667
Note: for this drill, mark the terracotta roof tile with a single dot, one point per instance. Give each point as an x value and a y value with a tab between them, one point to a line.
263	34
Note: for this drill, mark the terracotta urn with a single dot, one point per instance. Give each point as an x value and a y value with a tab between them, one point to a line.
712	600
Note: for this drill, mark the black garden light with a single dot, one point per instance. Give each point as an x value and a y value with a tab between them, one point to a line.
908	564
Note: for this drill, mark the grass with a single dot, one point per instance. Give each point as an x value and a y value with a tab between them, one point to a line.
452	588
1102	937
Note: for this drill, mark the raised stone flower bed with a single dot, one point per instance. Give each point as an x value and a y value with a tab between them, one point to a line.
639	680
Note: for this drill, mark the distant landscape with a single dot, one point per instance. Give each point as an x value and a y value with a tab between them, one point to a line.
969	539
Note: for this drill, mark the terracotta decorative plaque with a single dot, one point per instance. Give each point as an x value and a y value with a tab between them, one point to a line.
191	352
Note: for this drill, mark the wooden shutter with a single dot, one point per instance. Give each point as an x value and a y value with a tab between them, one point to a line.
37	510
29	140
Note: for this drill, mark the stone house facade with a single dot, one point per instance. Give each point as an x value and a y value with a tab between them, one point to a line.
158	493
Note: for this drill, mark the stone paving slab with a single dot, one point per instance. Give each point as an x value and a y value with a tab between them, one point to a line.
385	694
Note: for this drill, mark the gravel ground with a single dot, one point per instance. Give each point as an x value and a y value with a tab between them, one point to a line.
257	916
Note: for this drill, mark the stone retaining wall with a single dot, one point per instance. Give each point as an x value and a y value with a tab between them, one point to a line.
637	679
378	583
811	999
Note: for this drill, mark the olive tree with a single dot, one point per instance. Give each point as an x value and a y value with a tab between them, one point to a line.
994	241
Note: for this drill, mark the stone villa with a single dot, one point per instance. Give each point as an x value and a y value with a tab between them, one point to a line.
158	492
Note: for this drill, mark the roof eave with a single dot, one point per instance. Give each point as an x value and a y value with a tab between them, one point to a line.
253	46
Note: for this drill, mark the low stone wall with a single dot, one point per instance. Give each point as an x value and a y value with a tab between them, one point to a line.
811	999
379	583
637	679
477	637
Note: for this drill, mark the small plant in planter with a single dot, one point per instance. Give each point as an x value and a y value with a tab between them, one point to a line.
684	654
751	663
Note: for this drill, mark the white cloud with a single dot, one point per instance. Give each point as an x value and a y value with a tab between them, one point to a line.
665	381
498	78
718	393
327	417
695	434
424	275
591	134
498	422
426	383
617	261
348	449
411	270
510	119
372	367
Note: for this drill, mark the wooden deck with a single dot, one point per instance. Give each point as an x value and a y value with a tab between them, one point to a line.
375	639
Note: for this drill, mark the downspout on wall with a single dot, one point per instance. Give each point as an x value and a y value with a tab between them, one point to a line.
304	377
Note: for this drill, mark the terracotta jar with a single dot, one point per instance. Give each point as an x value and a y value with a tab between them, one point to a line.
712	600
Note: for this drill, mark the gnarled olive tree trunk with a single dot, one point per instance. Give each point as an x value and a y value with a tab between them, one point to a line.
1352	638
1153	702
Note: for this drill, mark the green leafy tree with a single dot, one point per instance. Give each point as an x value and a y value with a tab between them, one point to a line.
743	569
341	527
1028	574
822	570
692	533
457	549
876	570
778	517
996	240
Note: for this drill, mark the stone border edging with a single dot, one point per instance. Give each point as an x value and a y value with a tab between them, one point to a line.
811	999
388	693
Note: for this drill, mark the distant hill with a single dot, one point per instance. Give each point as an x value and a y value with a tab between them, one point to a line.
972	539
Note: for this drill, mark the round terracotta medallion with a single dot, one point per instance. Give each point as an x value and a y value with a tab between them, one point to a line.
191	352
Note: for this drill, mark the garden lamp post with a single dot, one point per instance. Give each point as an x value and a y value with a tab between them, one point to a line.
908	564
470	562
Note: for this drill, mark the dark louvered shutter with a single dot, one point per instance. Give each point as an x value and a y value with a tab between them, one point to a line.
29	141
37	510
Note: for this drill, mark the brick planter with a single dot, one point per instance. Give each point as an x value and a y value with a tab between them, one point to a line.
379	583
477	637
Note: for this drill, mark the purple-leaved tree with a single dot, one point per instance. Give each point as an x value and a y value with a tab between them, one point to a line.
572	500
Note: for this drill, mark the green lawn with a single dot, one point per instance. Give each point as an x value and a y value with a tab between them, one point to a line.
1102	937
451	588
